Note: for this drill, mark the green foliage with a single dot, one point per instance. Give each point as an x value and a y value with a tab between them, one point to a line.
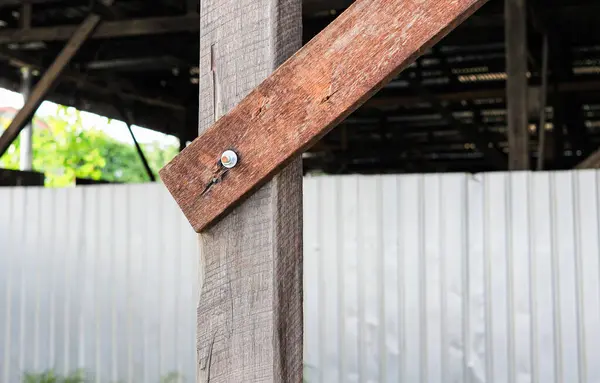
79	377
51	377
172	377
65	150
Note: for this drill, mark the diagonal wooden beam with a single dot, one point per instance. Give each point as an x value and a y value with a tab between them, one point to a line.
331	76
49	80
109	29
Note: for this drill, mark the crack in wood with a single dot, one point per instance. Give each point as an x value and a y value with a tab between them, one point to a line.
261	109
329	95
215	179
301	92
216	91
208	362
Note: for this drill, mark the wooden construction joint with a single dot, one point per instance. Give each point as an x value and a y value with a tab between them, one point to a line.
311	93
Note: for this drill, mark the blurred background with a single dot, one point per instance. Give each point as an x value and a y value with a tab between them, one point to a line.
446	113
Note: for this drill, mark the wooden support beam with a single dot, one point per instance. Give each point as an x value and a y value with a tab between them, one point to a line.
138	64
250	323
329	78
110	29
90	82
25	16
516	84
12	3
49	80
499	93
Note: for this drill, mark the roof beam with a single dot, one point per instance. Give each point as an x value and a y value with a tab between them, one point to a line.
109	29
489	93
91	83
138	64
14	3
49	80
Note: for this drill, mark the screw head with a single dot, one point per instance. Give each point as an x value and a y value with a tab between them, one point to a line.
229	159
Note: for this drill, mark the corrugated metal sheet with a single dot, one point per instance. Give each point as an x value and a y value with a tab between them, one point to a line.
100	278
452	278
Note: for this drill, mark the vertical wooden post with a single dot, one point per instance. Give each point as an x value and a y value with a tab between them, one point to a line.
250	308
516	86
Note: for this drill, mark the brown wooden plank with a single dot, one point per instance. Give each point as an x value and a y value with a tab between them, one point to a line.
324	82
48	80
250	308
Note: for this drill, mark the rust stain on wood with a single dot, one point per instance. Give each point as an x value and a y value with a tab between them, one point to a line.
335	73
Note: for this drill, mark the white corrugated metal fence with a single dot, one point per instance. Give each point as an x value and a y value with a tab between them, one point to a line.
451	278
98	278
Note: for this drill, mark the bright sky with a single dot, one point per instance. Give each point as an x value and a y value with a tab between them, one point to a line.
116	129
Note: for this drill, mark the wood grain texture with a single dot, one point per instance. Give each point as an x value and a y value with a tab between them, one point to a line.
516	84
250	323
318	87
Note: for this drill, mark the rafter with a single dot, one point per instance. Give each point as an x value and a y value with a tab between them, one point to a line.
49	79
110	29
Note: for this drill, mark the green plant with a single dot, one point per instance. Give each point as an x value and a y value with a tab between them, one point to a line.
79	377
51	377
64	149
172	377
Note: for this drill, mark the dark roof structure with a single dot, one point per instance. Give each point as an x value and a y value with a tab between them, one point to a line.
445	113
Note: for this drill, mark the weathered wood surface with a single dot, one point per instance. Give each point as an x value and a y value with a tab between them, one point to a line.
49	79
318	87
250	323
516	84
